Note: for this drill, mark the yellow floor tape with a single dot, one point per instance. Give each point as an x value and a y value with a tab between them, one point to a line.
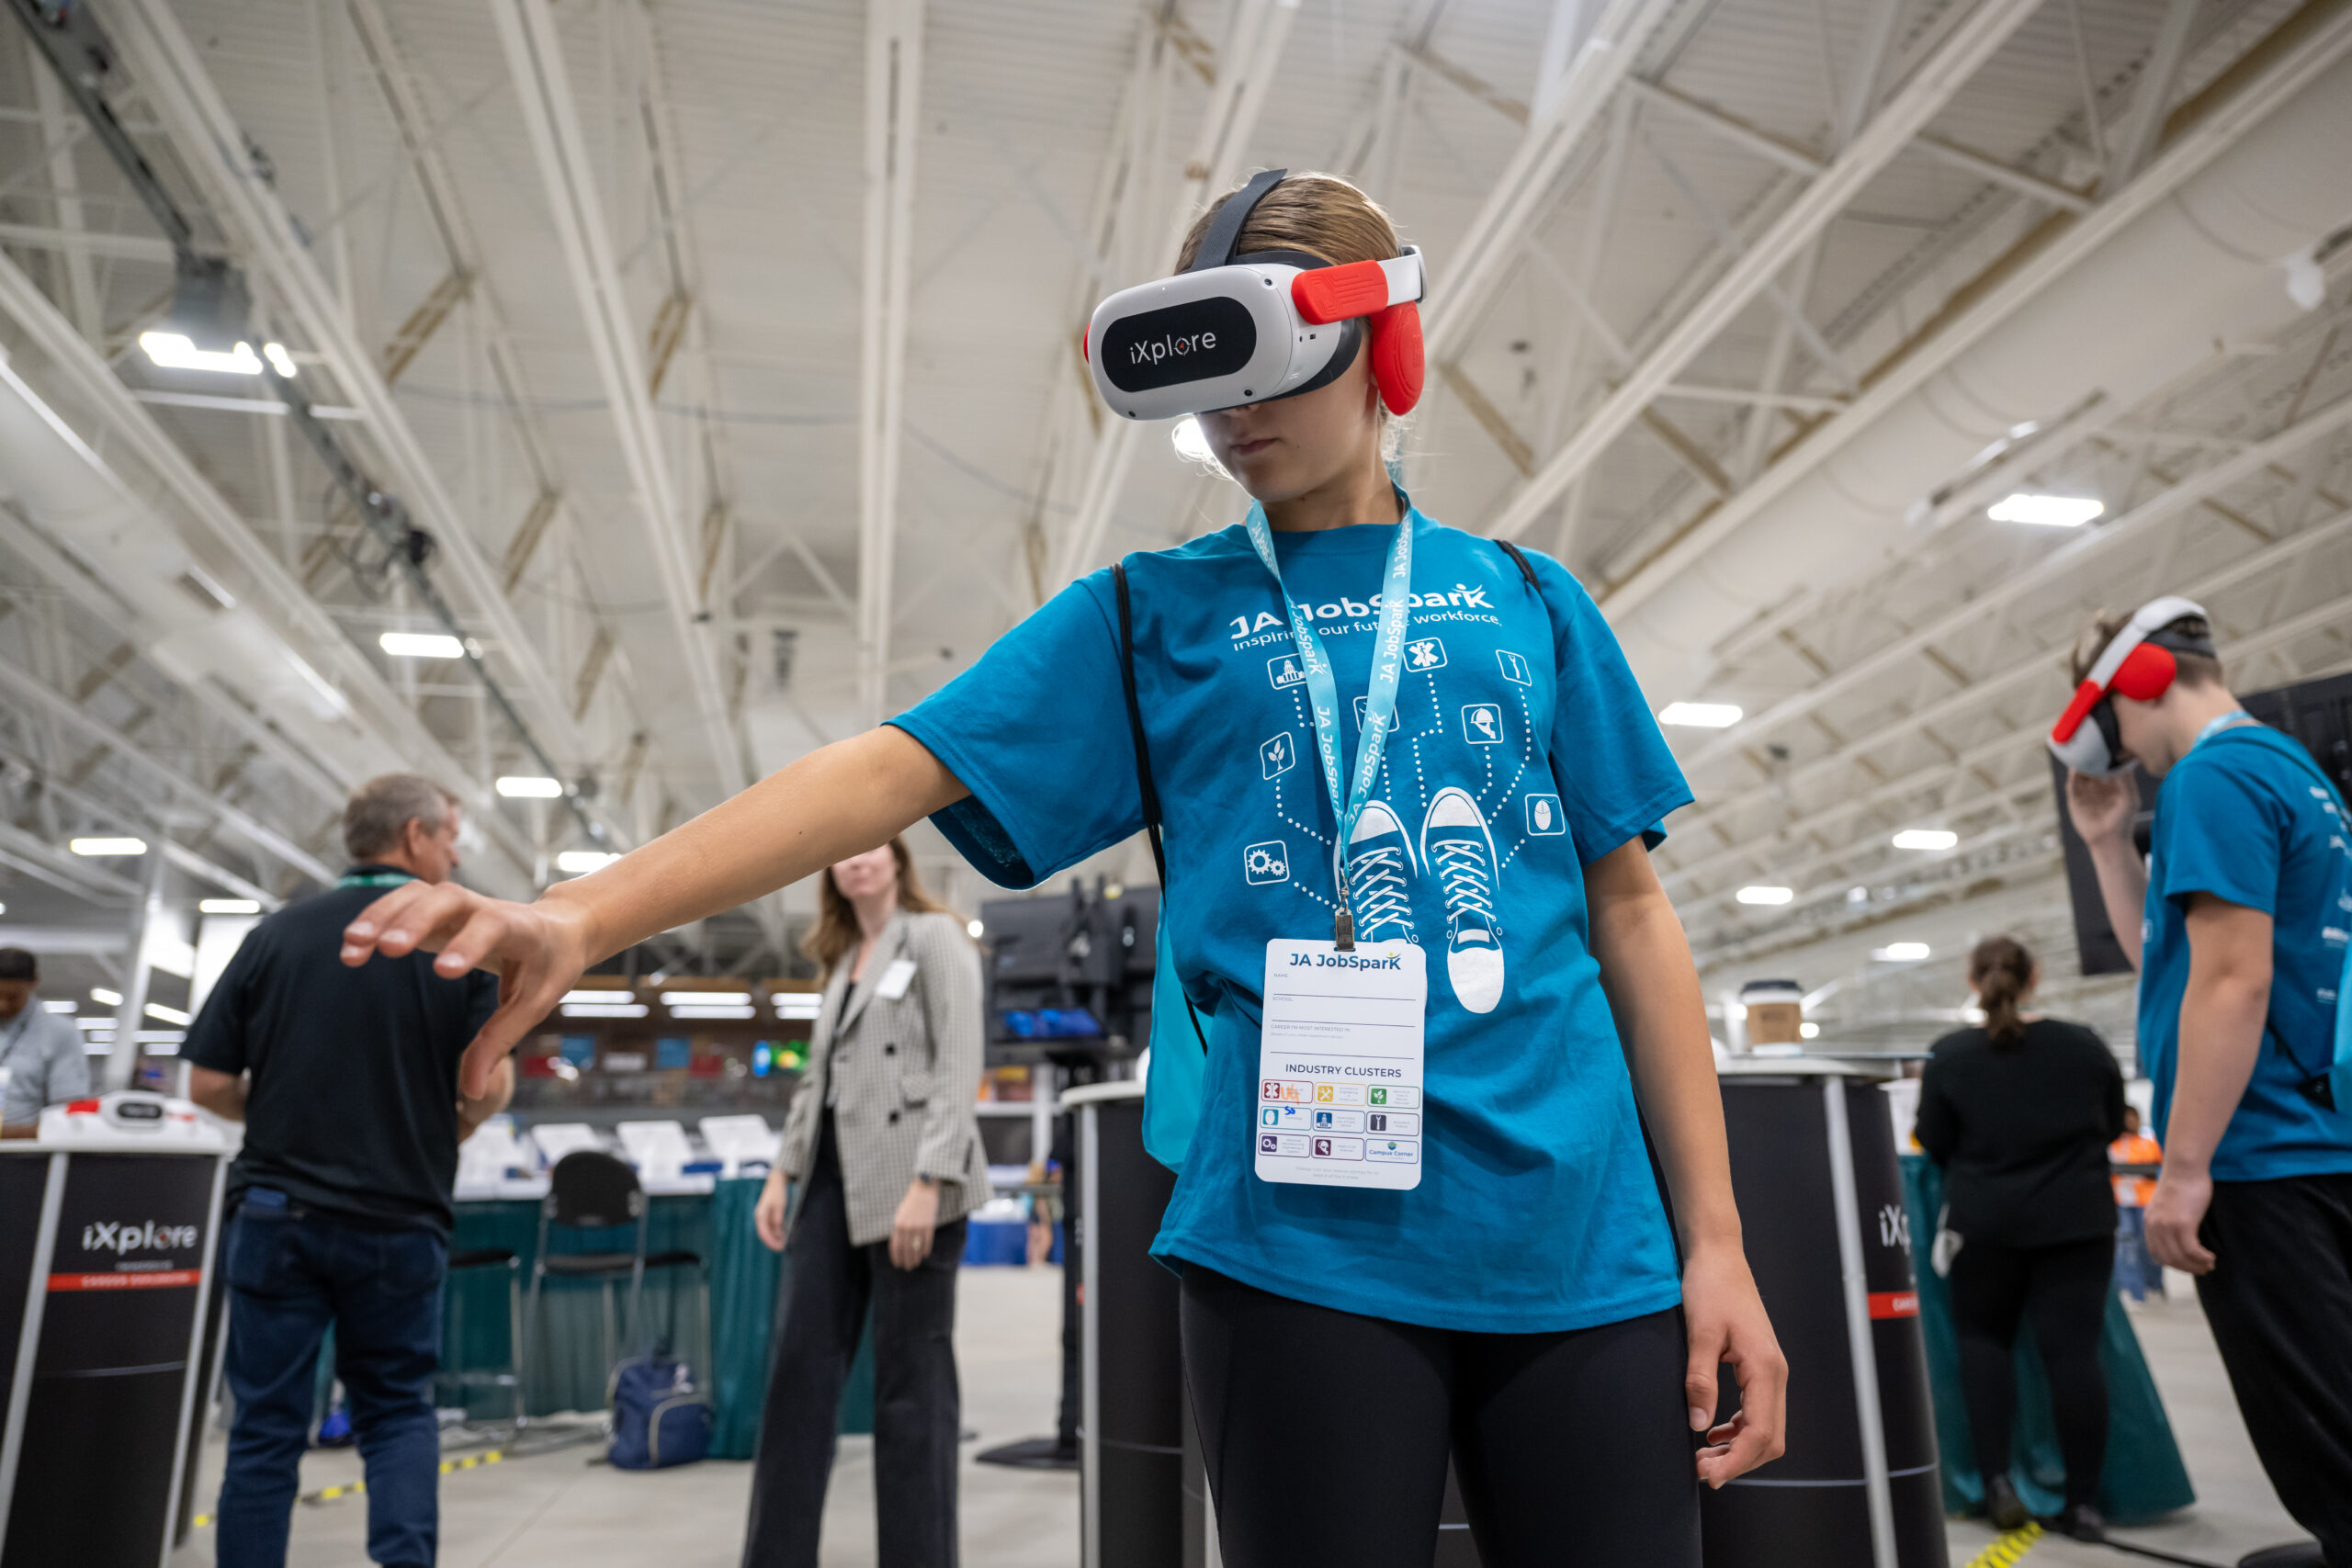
2008	1549
331	1494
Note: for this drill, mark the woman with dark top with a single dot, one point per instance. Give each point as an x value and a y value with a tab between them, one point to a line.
2019	1112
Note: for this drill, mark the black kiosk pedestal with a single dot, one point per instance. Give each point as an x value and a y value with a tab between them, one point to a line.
106	1235
1821	1202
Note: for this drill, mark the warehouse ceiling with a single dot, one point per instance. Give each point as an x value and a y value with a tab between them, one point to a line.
726	352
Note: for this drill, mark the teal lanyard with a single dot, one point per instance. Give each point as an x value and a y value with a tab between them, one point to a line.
376	879
1323	694
2230	720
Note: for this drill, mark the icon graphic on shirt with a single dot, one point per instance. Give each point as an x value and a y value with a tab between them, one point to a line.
1515	668
1425	653
1279	755
1544	819
1459	850
1282	670
1380	871
1268	862
1363	713
1481	724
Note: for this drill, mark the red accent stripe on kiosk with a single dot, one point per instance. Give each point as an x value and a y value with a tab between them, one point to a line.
1894	1303
159	1279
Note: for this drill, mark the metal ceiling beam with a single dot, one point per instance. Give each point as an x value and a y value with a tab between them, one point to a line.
893	117
219	531
1991	684
172	75
2143	122
535	59
2299	49
1246	62
2067	560
65	711
1522	191
1931	86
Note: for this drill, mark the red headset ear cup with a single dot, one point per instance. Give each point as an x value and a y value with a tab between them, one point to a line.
1397	355
2145	673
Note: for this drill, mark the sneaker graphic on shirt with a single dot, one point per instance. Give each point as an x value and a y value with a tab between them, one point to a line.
1459	851
1380	873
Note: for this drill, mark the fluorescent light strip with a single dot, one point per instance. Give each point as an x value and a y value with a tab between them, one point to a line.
2047	510
107	846
706	999
228	906
605	1010
1925	839
615	994
421	645
169	1015
715	1013
582	862
526	786
1701	716
1765	895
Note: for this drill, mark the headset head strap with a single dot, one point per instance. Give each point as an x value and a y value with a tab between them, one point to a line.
1225	229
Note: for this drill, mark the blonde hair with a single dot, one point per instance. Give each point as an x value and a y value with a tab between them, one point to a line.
2190	669
1321	214
835	933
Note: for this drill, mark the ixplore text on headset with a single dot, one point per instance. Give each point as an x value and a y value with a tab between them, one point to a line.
1408	787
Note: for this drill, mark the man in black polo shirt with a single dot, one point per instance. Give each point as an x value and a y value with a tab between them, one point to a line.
347	1081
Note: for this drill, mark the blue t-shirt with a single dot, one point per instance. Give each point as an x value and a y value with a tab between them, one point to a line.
2246	817
1522	750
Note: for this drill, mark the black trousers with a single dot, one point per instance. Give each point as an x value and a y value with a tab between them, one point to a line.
2280	1301
918	1408
2064	1288
1326	1435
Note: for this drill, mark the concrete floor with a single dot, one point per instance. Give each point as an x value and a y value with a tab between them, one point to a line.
559	1511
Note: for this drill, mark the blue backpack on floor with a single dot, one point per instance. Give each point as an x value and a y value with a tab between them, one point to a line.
660	1417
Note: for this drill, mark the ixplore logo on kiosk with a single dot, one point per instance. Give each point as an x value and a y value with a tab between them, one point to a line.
123	1237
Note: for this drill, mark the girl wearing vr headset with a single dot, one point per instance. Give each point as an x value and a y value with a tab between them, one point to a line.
1486	1267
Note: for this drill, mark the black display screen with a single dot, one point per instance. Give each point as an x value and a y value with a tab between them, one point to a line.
1192	342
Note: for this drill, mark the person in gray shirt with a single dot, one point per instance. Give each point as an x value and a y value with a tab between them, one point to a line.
40	1050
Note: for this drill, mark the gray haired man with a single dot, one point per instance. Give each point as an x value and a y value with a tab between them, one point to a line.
41	1052
347	1081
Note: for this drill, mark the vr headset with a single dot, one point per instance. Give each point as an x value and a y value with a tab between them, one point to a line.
1249	328
2138	664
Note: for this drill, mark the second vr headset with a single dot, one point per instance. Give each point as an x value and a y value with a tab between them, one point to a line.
1248	329
2137	663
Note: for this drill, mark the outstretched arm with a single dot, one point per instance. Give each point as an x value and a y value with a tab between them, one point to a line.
836	802
1654	991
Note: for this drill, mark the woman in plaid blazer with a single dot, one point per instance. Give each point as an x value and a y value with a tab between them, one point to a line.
884	1149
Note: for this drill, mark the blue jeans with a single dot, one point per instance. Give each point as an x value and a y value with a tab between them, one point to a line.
2136	1272
291	1272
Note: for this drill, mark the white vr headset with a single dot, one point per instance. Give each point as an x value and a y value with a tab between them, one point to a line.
1234	330
2138	664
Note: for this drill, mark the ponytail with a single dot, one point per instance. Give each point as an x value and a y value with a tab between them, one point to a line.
2001	969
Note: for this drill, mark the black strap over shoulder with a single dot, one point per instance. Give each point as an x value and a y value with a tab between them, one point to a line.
1519	556
1148	794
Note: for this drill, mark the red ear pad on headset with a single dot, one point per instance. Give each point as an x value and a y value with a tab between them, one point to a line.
2145	673
1396	357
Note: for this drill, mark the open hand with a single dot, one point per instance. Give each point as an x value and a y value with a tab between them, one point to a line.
1724	1319
536	950
767	1214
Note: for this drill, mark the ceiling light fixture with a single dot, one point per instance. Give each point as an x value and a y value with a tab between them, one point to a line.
1701	716
169	1015
280	360
1925	839
1765	895
693	1012
592	993
107	846
105	998
580	862
421	645
228	906
526	786
2047	510
178	351
706	999
973	930
1900	951
1808	1031
605	1010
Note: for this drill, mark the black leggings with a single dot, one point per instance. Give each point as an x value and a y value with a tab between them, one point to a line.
1326	1436
2065	1287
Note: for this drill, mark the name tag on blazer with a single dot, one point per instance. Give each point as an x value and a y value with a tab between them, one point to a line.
895	979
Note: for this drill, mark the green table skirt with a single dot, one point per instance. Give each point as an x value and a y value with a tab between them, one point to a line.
2143	1477
567	1364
